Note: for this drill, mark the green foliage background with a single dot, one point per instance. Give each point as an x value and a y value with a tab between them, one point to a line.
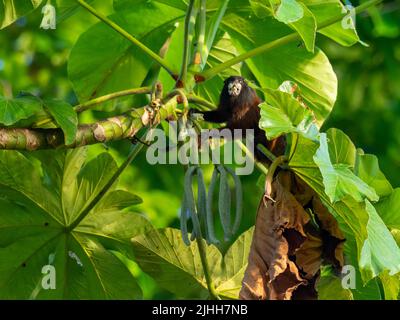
367	109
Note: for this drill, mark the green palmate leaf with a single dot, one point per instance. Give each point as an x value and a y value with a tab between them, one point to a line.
338	178
311	71
102	61
34	218
117	200
389	209
14	110
22	176
163	255
282	113
229	271
13	9
80	187
65	116
367	169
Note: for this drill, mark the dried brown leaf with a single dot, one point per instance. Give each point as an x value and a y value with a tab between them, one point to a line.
309	256
287	249
332	236
279	232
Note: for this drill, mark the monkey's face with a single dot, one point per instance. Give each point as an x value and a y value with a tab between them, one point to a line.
236	92
234	86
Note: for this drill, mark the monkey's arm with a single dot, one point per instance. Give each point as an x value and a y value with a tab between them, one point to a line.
215	116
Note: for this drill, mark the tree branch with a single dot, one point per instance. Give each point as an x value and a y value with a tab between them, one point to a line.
120	127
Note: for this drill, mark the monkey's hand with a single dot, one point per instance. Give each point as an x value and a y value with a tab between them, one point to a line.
195	115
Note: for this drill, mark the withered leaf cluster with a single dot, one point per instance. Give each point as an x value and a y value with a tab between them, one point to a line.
294	235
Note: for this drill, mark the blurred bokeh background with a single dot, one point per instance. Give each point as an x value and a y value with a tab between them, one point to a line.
367	108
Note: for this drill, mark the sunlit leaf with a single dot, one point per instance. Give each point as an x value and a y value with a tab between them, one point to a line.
338	178
282	113
163	255
380	250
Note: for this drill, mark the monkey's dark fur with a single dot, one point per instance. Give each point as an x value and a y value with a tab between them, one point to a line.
238	107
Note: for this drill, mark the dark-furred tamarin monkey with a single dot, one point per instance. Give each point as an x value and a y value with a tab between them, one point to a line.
238	108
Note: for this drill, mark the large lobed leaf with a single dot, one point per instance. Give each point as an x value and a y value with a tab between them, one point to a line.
163	255
43	194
